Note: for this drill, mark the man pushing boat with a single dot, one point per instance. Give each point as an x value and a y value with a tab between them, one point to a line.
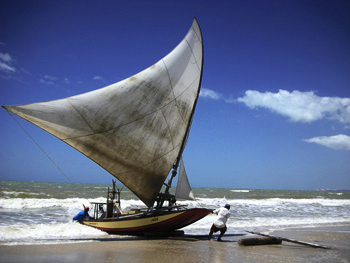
220	223
84	214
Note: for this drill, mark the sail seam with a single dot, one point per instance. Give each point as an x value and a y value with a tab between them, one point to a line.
172	90
195	102
93	132
171	84
169	130
161	109
106	131
155	160
195	59
198	36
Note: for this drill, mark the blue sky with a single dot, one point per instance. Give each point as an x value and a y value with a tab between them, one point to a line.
274	110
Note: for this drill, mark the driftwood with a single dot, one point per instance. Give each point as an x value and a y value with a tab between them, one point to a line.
259	241
290	240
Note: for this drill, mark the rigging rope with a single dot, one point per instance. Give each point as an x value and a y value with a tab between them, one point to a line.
39	147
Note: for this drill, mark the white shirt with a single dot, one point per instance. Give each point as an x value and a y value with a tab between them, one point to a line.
223	215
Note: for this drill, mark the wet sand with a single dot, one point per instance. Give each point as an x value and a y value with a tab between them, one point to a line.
192	249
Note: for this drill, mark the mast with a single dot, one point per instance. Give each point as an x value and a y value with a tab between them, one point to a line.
175	166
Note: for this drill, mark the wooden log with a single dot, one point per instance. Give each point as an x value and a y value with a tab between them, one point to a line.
259	241
111	196
290	240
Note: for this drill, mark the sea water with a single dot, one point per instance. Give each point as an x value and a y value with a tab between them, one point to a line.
37	212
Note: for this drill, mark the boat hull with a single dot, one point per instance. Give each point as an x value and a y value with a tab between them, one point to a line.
149	222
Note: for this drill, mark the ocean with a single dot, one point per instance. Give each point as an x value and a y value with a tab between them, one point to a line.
38	212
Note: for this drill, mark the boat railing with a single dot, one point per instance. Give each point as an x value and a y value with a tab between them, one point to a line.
168	208
99	211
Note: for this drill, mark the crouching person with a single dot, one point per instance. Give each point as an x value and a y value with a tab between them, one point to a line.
220	223
82	215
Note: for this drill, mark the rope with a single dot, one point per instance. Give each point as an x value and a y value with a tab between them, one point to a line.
39	147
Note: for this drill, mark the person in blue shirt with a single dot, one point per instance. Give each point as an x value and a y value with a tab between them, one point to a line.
84	214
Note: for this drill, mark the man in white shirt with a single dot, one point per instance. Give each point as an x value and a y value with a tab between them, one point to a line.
220	223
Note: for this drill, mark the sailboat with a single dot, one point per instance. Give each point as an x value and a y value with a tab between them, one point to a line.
136	130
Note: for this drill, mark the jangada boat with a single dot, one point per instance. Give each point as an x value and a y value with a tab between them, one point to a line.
137	130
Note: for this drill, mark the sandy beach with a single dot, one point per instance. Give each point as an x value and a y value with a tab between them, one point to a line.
191	249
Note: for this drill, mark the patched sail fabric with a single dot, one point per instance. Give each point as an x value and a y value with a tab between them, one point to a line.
134	128
183	188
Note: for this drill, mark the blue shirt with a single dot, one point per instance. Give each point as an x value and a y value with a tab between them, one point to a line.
81	215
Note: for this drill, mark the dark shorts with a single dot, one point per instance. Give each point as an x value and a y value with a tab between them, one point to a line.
216	229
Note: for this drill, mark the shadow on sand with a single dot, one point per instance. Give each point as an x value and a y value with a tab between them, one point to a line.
226	238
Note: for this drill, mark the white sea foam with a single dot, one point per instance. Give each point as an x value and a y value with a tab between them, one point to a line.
44	233
274	201
14	193
240	224
21	203
330	193
35	220
76	203
240	191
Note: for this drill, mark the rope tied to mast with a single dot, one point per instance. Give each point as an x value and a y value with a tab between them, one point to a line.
39	146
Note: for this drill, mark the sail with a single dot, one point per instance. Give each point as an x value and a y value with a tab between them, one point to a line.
183	188
134	129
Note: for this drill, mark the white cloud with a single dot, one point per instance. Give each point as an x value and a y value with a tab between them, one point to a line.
48	80
5	63
207	93
48	77
5	57
6	68
99	78
337	142
44	81
299	106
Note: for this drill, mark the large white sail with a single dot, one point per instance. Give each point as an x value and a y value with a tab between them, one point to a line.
134	128
183	187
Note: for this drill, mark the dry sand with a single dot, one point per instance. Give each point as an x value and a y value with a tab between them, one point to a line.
191	249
